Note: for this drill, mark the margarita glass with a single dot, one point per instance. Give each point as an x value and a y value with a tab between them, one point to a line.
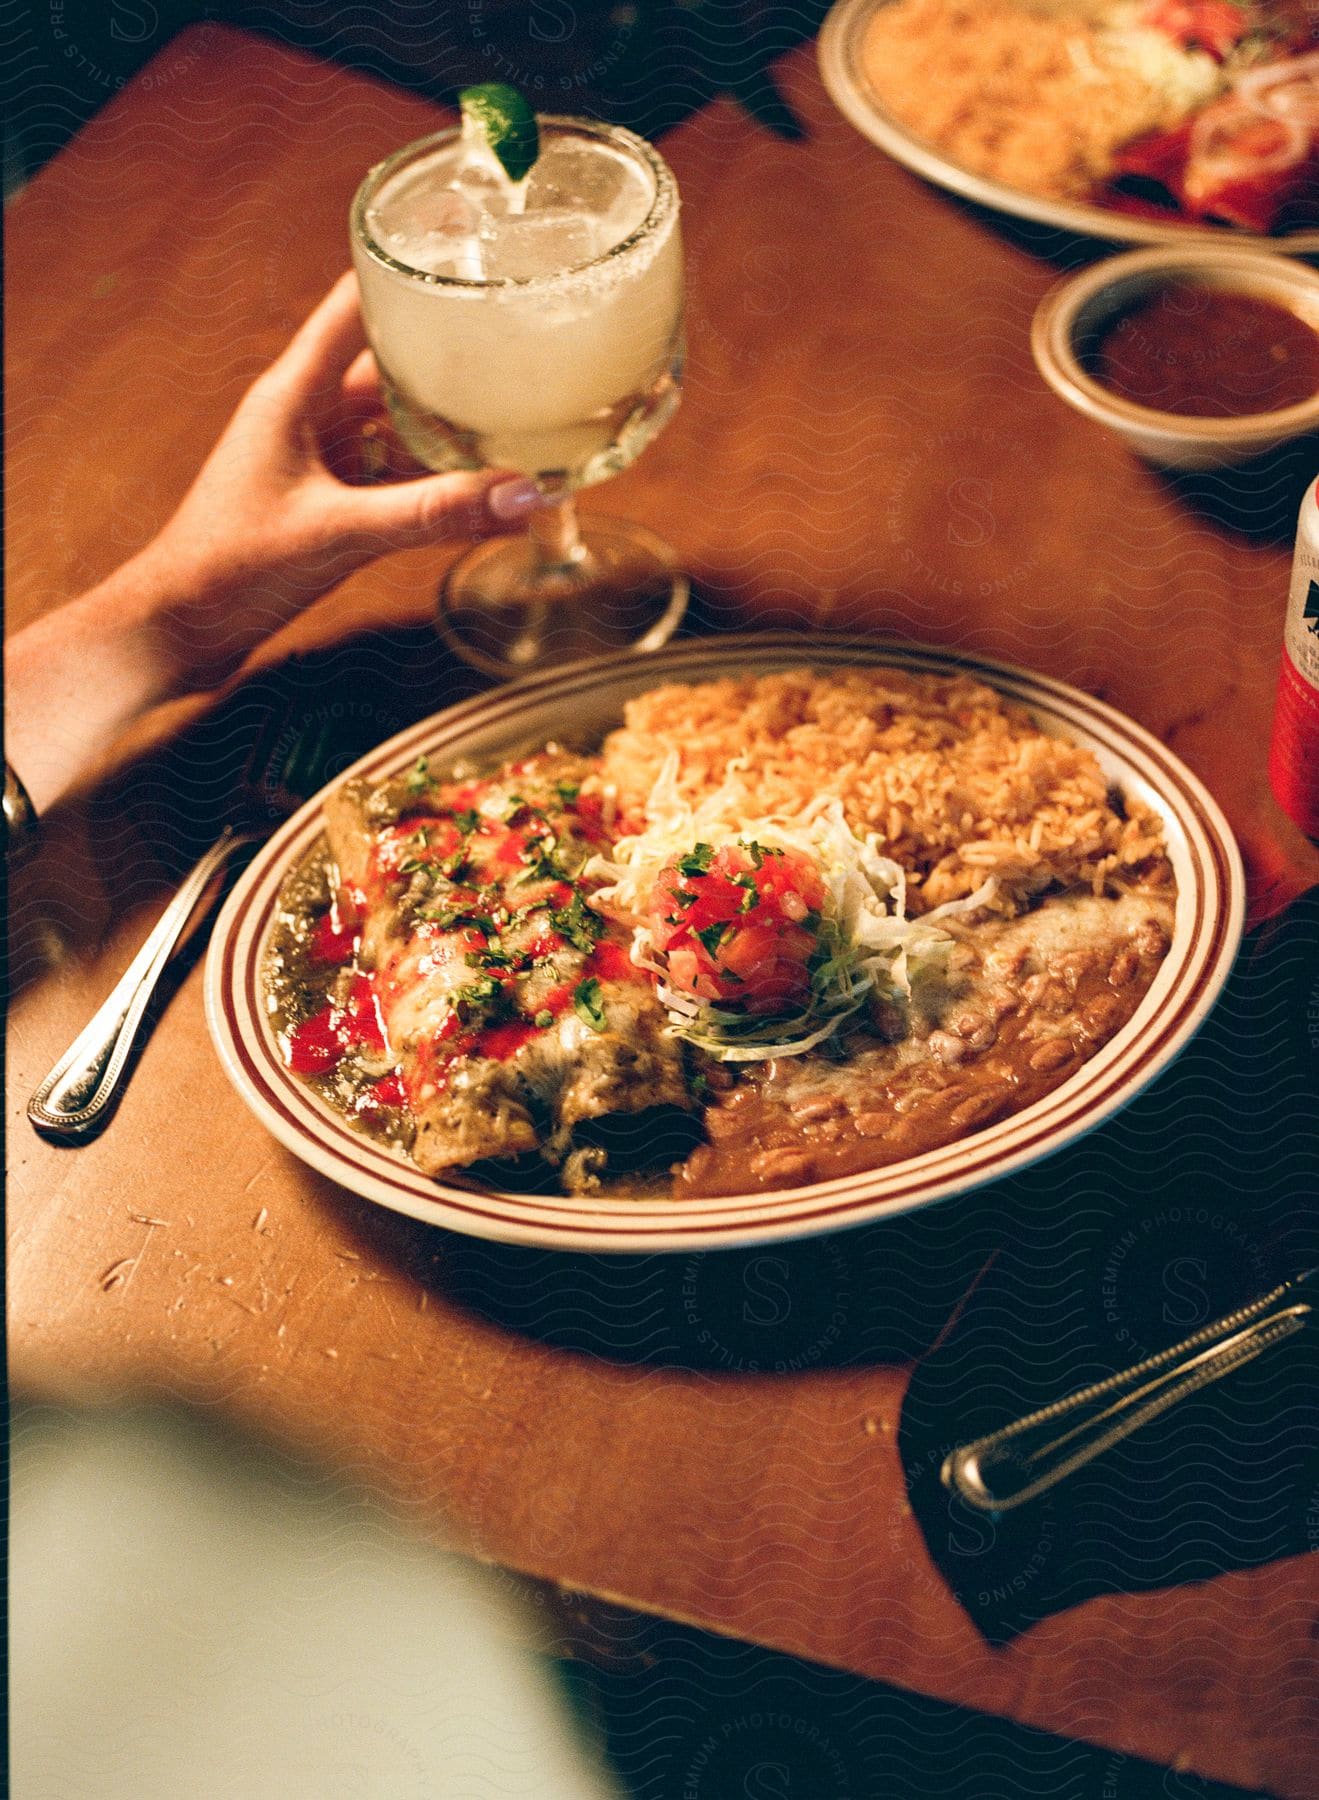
533	325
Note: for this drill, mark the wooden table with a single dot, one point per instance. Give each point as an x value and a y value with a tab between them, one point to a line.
864	441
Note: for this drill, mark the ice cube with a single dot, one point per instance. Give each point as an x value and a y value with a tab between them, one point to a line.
537	244
436	233
482	186
586	178
415	206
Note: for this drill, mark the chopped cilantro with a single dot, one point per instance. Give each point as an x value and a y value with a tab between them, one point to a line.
586	1003
567	792
712	936
449	916
698	862
476	995
544	1018
542	864
419	777
577	923
467	821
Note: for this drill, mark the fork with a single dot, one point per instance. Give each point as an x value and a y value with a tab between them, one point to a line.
75	1099
291	756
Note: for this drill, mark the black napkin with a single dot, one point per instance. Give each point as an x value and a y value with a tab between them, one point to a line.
1202	1195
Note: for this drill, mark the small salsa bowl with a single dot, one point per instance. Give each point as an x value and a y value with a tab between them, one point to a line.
1074	314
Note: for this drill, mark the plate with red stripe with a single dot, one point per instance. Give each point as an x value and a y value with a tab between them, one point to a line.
586	700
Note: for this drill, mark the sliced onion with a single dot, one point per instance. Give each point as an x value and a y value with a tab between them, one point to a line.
1214	154
1289	89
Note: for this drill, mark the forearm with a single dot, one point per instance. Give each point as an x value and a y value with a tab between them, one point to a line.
77	678
267	526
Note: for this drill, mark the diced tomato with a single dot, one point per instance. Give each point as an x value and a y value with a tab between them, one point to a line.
770	963
741	952
668	918
693	972
763	900
792	884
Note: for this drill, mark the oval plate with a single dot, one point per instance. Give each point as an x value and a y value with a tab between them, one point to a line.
840	67
584	700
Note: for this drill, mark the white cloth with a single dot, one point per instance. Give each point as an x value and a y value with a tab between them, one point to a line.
195	1619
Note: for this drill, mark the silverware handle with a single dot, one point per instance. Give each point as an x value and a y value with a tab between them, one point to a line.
73	1100
1027	1458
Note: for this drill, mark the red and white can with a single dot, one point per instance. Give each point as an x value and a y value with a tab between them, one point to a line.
1294	752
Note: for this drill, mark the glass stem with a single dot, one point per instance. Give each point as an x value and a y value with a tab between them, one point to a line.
556	543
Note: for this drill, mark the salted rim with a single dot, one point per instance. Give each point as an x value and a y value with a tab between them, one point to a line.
841	72
1207	930
664	203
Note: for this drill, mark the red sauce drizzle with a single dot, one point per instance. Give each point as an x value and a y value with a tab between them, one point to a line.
611	962
321	1042
384	1094
500	1042
332	940
507	848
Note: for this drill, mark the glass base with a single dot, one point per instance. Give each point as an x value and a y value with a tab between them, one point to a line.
502	613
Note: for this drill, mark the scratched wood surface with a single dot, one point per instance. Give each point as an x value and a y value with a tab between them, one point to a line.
864	442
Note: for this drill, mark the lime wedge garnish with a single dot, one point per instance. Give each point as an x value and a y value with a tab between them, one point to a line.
508	123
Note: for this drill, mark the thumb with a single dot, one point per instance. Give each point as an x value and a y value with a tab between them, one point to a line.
399	515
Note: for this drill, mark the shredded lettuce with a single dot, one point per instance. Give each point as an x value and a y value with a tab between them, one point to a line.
869	948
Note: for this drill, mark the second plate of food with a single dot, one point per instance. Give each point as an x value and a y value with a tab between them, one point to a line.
747	940
1137	121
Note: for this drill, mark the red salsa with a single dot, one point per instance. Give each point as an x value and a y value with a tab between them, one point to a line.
1206	353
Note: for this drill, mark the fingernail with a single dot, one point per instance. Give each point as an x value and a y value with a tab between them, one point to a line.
509	501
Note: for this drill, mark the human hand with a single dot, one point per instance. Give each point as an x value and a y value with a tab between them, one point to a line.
275	517
272	521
